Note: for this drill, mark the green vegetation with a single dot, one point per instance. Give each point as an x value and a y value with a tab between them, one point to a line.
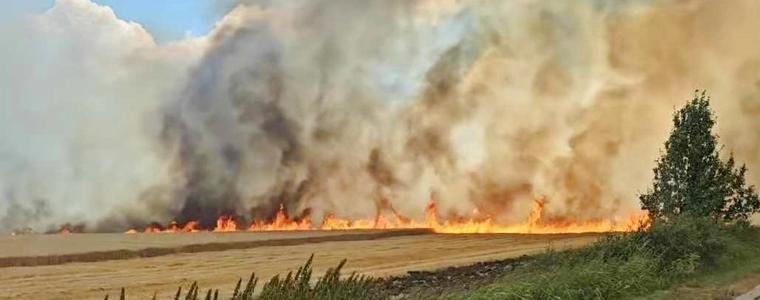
628	265
690	177
736	275
293	287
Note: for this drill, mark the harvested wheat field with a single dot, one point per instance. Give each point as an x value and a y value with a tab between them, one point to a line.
377	253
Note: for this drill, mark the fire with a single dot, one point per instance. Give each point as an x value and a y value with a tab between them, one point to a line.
281	222
69	228
225	224
536	213
172	228
535	224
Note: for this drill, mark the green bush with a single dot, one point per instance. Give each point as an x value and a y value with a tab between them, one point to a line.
696	241
680	247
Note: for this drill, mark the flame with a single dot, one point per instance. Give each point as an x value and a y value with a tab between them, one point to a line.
281	222
535	224
536	213
225	224
69	228
172	228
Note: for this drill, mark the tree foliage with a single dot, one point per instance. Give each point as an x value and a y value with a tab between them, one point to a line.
690	178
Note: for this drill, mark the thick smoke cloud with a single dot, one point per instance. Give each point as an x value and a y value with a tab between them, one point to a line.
80	92
365	108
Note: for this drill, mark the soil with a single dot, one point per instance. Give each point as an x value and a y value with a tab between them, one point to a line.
431	285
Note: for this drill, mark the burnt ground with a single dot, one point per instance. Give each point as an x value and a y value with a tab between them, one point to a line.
434	284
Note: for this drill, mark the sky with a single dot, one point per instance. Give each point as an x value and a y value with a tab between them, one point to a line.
166	20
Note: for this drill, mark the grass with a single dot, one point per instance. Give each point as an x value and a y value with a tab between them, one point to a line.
634	265
738	273
294	286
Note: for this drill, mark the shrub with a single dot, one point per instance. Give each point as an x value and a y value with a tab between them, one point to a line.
687	240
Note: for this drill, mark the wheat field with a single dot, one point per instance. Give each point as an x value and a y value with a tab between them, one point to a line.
372	253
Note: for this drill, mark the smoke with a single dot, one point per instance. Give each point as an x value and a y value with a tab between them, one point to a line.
365	108
80	92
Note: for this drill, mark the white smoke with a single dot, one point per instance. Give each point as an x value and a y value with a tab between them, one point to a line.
360	108
79	97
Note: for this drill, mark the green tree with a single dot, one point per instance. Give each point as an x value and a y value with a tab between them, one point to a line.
691	179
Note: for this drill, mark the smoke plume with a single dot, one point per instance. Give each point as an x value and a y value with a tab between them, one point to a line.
360	108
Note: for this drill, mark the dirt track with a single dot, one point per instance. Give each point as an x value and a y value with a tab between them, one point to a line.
220	269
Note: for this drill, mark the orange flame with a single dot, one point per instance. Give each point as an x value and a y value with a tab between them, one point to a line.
225	224
281	222
172	228
535	224
536	213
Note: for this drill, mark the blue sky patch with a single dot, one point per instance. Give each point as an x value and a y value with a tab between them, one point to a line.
166	20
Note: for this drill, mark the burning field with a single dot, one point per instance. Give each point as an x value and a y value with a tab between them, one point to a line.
534	225
155	259
399	134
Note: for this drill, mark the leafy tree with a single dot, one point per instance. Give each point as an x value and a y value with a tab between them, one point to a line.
690	178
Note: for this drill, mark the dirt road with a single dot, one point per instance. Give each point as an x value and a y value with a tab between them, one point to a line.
220	269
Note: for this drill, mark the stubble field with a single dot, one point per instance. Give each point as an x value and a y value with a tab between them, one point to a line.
87	266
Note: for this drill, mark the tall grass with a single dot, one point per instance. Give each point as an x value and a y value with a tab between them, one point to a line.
294	286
